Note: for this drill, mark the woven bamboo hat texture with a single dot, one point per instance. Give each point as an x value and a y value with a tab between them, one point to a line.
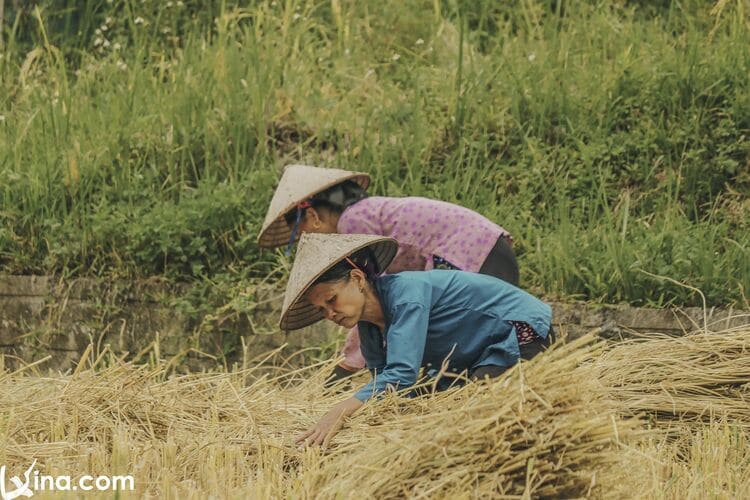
316	254
298	183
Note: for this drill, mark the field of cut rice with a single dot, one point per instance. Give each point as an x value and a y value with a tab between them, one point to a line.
586	419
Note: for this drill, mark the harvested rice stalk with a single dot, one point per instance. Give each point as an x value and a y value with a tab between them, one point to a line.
698	377
545	430
542	432
696	461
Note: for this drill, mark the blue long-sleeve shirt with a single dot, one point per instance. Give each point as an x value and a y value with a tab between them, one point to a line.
438	316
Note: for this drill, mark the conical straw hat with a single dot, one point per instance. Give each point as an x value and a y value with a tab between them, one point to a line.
298	183
316	254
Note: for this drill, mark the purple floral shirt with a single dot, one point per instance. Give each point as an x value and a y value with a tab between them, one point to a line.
424	228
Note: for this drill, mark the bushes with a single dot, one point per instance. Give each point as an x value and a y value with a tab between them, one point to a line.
157	151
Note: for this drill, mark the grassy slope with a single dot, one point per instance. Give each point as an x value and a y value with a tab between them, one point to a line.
611	140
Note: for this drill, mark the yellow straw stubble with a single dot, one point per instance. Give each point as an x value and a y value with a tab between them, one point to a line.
558	426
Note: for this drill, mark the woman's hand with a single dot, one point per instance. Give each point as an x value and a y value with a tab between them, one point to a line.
327	427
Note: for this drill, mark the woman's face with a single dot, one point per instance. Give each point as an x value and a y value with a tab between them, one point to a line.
340	301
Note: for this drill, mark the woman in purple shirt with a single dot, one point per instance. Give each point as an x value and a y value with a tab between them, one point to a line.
431	234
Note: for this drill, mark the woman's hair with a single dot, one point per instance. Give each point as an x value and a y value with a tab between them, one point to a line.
335	199
363	259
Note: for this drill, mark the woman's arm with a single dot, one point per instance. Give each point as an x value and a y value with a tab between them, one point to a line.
406	338
327	427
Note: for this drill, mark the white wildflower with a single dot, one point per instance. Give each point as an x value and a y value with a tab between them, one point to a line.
117	46
97	31
419	41
97	42
243	82
180	3
169	4
105	43
395	57
138	20
2	118
103	27
296	16
531	57
108	20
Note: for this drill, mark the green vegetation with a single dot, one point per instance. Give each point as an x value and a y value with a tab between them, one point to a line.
144	137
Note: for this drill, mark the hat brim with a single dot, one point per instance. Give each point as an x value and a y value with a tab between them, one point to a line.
278	233
302	313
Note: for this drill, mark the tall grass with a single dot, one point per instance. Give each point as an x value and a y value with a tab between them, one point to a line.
142	138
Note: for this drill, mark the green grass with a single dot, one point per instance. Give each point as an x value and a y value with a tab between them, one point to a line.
611	138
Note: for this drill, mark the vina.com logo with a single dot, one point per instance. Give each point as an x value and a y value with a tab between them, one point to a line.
33	481
22	487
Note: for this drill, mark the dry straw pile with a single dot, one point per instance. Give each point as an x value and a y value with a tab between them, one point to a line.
695	378
549	429
546	431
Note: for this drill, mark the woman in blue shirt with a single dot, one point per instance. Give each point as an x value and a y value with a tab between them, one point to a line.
442	321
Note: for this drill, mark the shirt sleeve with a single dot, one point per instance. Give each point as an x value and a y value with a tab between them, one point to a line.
353	359
405	345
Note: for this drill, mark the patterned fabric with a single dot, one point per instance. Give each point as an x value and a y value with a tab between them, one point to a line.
353	359
524	333
441	263
424	228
